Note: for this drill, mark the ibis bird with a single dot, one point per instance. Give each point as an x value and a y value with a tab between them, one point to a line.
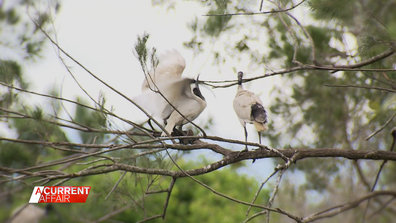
171	66
249	109
179	96
189	103
166	94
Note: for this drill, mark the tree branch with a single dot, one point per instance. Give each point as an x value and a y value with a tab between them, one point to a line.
362	86
258	13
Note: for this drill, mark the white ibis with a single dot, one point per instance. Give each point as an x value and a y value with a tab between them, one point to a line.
249	109
188	102
171	66
177	90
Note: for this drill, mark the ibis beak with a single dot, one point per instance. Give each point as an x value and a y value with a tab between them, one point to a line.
196	82
196	90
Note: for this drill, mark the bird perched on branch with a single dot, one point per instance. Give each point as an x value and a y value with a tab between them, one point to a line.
249	109
170	97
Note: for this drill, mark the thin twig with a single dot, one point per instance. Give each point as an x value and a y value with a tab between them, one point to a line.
393	134
259	190
295	41
382	207
261	5
103	82
255	215
362	86
381	128
115	186
150	218
221	194
271	200
170	188
258	13
113	213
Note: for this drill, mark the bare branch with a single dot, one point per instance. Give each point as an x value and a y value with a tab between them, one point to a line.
172	183
294	69
113	213
275	191
115	186
393	134
259	190
382	127
362	86
258	13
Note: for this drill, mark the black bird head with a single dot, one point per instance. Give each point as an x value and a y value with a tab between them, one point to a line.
196	90
240	76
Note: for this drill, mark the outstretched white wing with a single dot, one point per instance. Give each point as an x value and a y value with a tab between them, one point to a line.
171	66
155	104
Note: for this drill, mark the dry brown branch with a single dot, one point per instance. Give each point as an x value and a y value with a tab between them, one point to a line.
393	134
113	213
362	86
382	127
306	33
232	158
274	192
259	13
259	190
220	84
383	206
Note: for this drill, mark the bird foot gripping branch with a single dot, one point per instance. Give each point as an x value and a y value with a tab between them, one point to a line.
183	141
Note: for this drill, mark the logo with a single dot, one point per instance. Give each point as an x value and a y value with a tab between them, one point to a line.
59	194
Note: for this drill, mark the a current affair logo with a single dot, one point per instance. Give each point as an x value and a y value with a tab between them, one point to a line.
60	194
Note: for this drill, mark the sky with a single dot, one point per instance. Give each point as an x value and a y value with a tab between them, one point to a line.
101	35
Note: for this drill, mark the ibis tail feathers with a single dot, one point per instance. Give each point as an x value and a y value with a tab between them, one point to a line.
260	126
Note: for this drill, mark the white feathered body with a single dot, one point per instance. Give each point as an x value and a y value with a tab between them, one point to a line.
243	103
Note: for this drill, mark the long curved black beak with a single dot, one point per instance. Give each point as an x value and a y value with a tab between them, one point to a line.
197	81
196	90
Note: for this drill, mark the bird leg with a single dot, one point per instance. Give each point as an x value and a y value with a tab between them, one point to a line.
259	135
246	149
149	122
246	135
177	132
181	128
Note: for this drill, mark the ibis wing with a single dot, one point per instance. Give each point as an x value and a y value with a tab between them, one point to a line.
152	103
172	90
258	113
171	63
242	105
171	66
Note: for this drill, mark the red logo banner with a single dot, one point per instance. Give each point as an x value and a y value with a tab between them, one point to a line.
60	194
